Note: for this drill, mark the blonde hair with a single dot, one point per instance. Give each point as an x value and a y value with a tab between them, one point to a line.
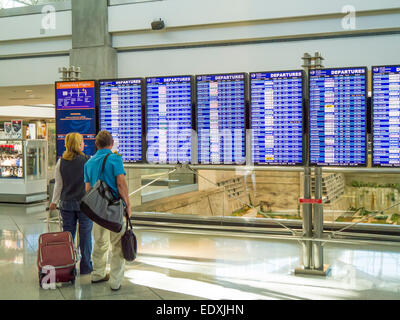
73	142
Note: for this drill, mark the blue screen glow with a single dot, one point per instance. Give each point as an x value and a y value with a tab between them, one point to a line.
276	118
121	115
338	117
221	119
386	116
169	115
76	112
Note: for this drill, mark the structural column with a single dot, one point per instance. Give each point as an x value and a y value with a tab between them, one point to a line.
92	51
91	41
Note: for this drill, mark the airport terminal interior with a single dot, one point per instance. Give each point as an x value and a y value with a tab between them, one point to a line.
260	142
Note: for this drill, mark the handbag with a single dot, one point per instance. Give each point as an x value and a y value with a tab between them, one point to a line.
128	242
100	205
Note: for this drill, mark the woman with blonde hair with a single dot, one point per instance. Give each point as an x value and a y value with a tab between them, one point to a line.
68	191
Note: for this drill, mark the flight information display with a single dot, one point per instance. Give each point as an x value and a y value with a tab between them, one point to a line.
121	115
276	117
169	119
76	112
338	117
221	118
386	116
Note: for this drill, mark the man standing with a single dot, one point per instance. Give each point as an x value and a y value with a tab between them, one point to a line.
114	176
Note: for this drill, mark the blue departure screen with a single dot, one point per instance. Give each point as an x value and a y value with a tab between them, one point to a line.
276	118
338	117
121	115
221	119
386	116
76	112
169	118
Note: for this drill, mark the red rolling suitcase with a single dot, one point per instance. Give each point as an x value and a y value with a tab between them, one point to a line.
56	258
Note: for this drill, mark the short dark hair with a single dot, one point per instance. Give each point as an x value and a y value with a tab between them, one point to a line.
104	139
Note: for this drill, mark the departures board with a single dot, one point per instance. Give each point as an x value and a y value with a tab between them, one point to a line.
76	112
276	117
386	116
221	118
338	116
169	119
121	115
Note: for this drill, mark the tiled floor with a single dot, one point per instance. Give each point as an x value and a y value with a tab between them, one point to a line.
173	266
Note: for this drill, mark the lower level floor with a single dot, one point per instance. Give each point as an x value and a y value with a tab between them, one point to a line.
179	264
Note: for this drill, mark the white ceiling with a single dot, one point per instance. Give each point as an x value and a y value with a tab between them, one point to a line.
27	113
27	102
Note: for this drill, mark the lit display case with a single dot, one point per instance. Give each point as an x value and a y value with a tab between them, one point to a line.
11	159
23	171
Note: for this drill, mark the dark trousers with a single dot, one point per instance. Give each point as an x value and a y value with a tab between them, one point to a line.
71	215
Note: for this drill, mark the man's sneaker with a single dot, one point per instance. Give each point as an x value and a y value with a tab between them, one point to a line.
106	278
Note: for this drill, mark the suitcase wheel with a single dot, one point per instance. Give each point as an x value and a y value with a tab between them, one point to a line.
73	272
40	279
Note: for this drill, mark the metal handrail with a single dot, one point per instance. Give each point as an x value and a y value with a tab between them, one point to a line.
263	168
177	228
151	182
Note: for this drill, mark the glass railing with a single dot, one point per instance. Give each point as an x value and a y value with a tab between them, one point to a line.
350	199
234	195
367	198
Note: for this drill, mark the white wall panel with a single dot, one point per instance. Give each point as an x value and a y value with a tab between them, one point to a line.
29	71
26	47
29	26
352	51
256	31
178	13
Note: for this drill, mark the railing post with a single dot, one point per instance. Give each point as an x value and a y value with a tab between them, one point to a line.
319	268
307	220
318	222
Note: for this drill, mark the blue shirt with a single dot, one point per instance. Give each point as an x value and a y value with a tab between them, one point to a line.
113	168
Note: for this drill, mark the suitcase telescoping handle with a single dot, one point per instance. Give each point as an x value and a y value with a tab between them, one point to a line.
48	220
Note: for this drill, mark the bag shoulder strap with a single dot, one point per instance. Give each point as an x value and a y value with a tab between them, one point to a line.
102	171
128	222
104	162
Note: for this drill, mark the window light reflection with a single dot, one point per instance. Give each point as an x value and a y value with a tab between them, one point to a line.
346	284
188	286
